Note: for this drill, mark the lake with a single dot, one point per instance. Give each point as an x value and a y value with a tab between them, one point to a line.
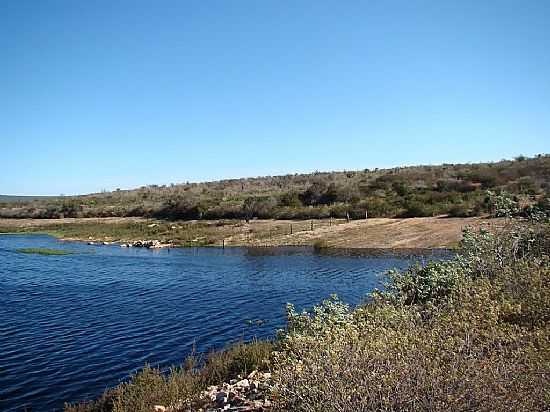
73	325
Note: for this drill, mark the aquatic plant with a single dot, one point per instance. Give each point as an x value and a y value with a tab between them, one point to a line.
44	251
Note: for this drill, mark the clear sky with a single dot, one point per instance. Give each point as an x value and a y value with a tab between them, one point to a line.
105	94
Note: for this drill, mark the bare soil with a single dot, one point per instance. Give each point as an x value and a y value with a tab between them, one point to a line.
425	232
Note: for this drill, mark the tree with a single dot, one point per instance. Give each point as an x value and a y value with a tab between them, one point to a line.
258	207
314	194
290	199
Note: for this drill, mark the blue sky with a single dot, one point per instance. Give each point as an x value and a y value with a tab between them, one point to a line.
105	94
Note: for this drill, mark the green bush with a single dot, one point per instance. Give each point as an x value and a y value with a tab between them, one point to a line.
502	204
422	284
414	208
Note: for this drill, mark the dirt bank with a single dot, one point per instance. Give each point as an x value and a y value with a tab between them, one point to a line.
428	232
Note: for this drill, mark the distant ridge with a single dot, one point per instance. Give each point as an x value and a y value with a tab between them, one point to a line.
16	199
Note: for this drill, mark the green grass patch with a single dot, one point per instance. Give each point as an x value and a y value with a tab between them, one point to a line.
44	251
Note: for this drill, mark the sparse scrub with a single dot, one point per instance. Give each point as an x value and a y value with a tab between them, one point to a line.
409	191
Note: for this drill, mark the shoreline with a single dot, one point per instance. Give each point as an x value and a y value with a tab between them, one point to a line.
430	233
280	249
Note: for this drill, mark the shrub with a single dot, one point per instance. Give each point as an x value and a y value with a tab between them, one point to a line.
290	199
319	245
258	207
502	204
421	284
414	208
462	210
467	334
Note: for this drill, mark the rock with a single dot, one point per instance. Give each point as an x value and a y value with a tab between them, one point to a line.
211	393
160	408
258	404
245	394
243	384
155	244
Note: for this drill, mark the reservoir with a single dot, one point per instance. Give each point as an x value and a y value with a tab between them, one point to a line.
73	325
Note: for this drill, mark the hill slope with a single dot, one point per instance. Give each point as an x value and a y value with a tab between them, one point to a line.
454	189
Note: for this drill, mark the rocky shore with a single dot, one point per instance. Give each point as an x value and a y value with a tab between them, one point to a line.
149	244
250	394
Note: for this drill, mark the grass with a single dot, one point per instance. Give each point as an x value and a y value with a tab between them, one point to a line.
45	251
185	383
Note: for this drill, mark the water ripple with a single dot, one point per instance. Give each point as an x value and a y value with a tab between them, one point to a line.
74	325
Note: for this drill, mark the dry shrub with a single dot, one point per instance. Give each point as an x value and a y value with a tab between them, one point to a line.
478	340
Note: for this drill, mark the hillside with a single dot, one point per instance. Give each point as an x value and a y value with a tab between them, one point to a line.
458	190
23	199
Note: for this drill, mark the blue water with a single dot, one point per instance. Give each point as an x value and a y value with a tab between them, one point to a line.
73	325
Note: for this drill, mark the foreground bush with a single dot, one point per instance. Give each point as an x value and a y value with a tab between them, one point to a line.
469	334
